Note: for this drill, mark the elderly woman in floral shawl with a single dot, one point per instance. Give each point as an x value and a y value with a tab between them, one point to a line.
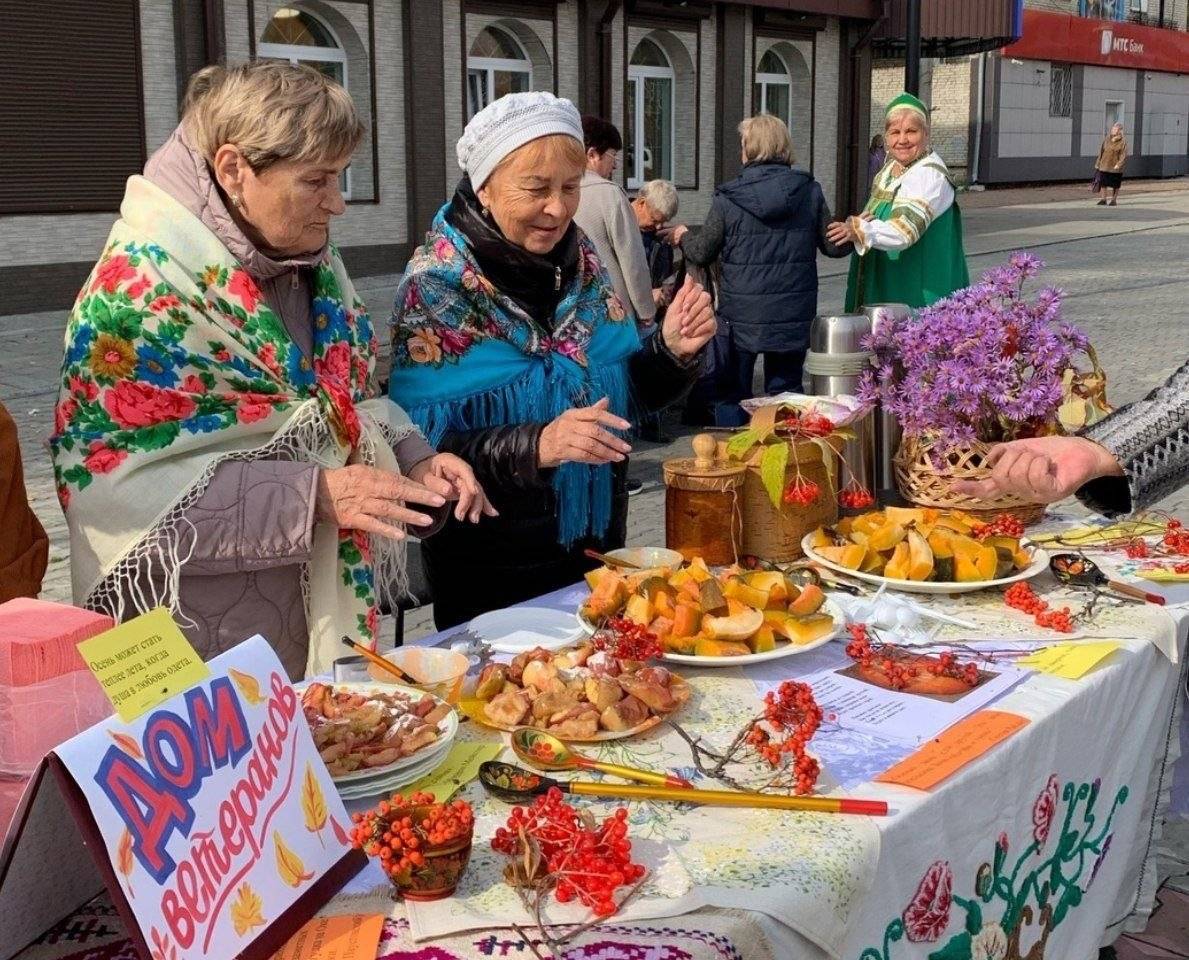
511	349
219	446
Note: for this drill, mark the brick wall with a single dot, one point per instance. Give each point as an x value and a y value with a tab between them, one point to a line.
945	87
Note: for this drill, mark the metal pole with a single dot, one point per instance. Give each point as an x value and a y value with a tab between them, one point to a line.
912	47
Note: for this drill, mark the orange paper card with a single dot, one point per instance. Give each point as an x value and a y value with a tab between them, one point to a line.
955	748
353	936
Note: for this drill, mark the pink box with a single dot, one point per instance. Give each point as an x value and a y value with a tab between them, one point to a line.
36	718
38	639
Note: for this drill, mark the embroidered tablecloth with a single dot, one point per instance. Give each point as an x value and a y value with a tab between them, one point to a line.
1043	847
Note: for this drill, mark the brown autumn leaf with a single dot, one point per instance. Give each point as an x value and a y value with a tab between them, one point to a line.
246	909
289	866
313	803
124	858
127	744
248	686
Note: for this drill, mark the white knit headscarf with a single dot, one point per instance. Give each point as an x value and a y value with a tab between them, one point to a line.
507	124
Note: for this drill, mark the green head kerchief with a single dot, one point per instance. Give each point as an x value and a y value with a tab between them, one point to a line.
906	101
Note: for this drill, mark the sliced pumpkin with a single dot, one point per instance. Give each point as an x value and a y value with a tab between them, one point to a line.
850	556
869	522
763	640
770	580
740	626
804	630
638	610
941	543
687	620
904	515
675	644
897	565
809	601
709	647
920	557
737	589
886	537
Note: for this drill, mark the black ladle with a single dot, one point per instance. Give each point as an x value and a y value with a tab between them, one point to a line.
515	784
1080	571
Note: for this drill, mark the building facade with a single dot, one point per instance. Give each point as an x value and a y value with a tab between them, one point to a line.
675	77
1038	109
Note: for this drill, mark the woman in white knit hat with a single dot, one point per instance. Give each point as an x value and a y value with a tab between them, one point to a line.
511	349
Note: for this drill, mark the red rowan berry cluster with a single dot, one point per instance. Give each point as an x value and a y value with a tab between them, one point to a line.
1002	526
1021	596
901	666
801	492
588	864
791	718
855	497
626	640
398	831
1176	538
808	424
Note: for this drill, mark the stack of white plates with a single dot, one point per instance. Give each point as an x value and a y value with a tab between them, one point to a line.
371	783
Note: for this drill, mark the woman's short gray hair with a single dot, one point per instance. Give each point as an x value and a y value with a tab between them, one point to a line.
900	112
661	195
271	112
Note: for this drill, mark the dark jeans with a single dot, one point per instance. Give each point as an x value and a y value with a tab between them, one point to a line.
715	398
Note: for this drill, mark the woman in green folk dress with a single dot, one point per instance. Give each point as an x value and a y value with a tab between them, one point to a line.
908	239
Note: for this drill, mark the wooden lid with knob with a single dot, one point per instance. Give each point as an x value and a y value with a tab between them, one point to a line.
704	471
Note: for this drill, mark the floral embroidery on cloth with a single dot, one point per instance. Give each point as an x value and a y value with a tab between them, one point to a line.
173	363
1032	896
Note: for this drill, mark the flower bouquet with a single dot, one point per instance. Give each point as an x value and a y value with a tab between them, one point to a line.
984	365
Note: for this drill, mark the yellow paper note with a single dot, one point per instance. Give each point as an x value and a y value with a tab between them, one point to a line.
143	662
351	936
460	767
1070	660
953	749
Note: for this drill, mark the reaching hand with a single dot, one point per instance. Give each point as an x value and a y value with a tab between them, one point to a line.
579	435
840	233
673	235
689	321
1041	469
366	498
454	479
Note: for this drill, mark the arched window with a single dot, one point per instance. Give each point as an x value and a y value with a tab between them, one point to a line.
648	147
773	89
300	37
497	65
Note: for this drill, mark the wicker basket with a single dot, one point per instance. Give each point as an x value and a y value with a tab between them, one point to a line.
922	482
775	534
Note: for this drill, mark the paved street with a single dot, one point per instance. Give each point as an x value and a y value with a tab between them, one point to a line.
1123	270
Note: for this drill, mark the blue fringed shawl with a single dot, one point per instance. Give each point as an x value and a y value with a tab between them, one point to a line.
465	357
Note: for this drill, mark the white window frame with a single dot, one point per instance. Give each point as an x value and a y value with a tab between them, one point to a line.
490	66
1106	127
639	74
297	53
766	80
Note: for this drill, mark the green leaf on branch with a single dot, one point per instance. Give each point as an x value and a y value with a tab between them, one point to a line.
772	466
957	949
739	444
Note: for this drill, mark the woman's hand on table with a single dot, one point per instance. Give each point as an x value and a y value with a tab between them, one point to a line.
689	322
583	435
365	498
453	478
1041	469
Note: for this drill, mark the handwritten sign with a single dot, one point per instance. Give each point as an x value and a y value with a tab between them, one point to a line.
953	749
1070	660
143	662
351	936
215	809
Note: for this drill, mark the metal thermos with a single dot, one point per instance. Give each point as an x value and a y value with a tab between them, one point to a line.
835	364
887	427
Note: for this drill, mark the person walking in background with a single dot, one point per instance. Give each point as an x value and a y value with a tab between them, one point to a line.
877	156
655	205
1112	156
767	225
908	239
605	216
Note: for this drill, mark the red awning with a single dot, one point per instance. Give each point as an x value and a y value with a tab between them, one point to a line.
1108	43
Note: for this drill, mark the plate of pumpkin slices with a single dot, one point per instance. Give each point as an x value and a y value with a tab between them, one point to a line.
708	618
923	550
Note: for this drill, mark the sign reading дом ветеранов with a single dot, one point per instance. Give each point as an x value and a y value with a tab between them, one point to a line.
215	808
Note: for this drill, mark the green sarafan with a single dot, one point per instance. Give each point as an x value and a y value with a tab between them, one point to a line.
1035	893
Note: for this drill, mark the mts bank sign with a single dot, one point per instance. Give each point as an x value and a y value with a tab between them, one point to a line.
1110	43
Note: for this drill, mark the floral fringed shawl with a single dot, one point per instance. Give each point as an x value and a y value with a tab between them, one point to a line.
174	364
466	357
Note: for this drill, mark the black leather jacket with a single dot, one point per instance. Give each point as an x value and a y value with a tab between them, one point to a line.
513	557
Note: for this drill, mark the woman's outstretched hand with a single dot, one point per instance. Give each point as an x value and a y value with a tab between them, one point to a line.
689	322
365	498
840	233
583	435
453	478
1041	469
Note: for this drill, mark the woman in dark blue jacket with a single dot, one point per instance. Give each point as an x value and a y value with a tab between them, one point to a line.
766	225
